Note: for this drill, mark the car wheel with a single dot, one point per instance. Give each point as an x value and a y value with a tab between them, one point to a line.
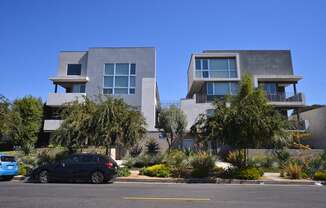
43	176
97	177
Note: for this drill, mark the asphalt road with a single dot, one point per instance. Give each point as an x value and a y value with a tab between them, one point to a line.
132	195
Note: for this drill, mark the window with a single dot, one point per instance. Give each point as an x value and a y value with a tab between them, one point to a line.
222	88
78	88
119	78
74	69
270	88
216	67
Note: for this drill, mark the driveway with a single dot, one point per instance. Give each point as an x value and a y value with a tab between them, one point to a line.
133	195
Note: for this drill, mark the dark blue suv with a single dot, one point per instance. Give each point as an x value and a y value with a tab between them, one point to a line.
92	168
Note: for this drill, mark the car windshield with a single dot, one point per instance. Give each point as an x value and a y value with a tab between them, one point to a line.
7	159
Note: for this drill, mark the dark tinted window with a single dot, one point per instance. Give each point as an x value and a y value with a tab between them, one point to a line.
74	69
89	158
7	159
72	159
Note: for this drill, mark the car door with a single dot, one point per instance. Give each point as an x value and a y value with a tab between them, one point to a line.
64	169
85	167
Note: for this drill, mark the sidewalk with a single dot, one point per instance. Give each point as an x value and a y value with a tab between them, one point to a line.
268	178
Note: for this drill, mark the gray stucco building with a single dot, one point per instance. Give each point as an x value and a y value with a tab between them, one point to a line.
216	73
129	73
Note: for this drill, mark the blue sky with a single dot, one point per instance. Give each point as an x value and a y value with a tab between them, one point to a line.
33	32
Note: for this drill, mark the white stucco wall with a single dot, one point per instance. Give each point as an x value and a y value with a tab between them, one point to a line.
193	110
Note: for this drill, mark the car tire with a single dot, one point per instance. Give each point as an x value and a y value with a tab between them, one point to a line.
43	176
97	177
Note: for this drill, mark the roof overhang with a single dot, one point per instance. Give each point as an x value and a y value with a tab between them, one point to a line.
276	78
69	79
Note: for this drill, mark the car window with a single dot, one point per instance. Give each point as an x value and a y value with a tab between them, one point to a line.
7	159
72	159
89	158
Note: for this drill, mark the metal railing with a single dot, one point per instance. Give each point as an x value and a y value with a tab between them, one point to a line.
285	97
167	104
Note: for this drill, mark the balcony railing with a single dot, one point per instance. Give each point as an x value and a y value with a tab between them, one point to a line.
274	98
215	74
57	99
285	97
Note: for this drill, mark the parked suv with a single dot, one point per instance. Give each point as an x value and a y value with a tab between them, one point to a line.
8	167
92	168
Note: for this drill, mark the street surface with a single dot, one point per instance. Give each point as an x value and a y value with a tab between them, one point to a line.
145	195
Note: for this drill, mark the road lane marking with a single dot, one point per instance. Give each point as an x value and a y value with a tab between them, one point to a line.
166	198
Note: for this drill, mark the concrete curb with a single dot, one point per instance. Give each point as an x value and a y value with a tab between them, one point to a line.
200	180
19	178
216	181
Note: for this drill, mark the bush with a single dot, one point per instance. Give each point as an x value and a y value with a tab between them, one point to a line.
123	172
320	175
282	156
152	147
249	173
236	158
293	170
22	169
202	163
136	150
178	162
160	170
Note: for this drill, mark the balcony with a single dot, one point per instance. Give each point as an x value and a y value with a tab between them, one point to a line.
57	99
286	99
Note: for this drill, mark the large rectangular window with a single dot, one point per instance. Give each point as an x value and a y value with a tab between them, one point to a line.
73	69
119	78
222	88
216	67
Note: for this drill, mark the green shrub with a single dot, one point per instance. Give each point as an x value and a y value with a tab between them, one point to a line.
178	162
22	169
236	158
249	173
217	172
282	155
320	175
293	170
202	164
123	172
160	170
152	147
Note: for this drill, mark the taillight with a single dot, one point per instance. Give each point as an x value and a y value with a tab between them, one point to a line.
109	165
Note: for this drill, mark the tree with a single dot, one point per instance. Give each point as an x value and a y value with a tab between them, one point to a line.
114	122
75	132
173	122
249	122
4	112
24	122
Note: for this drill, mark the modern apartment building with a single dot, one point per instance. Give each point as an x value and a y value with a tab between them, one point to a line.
129	73
216	73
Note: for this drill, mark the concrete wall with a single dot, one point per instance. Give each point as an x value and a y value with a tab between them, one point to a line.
262	62
144	58
193	110
72	57
317	127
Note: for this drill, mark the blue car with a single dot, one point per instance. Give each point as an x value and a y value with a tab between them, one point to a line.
8	167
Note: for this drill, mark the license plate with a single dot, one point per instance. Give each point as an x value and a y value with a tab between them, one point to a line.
10	167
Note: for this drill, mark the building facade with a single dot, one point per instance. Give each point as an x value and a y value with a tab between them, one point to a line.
128	73
216	73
